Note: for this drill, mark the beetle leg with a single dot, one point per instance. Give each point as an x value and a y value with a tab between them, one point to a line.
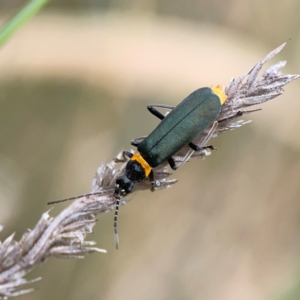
152	181
155	112
211	147
137	141
194	147
198	148
209	135
127	154
172	164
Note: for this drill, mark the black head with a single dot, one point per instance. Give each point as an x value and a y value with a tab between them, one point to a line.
124	186
134	173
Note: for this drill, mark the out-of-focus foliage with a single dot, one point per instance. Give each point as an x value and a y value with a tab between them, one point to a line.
25	13
262	19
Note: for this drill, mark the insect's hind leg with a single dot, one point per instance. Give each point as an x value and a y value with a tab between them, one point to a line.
172	163
198	148
155	112
209	135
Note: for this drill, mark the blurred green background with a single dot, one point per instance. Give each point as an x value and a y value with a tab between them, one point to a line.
74	85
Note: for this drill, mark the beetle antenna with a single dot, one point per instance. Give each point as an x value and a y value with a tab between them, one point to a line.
81	196
116	221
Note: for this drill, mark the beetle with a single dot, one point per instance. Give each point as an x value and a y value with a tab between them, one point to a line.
187	120
193	115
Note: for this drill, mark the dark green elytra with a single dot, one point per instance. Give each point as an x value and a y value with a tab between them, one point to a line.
188	119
